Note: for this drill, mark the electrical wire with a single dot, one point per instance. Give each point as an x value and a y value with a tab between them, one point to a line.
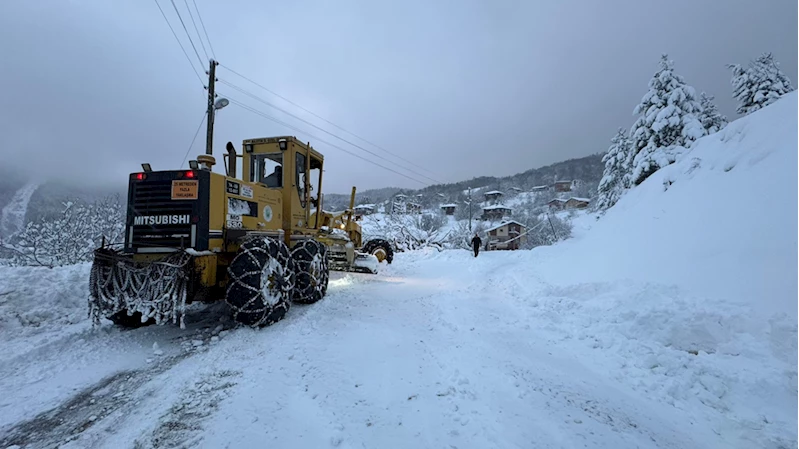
197	30
199	16
324	119
255	97
280	122
193	68
205	114
187	33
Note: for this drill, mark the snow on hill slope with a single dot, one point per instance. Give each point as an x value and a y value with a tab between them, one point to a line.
722	221
12	217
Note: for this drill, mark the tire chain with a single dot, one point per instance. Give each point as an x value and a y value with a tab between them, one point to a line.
117	284
254	254
303	257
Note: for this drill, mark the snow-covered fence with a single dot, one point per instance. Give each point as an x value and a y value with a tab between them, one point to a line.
68	238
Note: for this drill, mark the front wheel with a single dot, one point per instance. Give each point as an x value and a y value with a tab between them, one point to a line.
379	248
261	282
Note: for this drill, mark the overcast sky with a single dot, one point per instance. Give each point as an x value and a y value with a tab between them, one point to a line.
464	88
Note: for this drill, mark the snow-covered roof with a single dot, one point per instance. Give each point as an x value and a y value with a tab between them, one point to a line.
503	224
365	206
560	200
580	199
449	205
494	192
498	206
540	187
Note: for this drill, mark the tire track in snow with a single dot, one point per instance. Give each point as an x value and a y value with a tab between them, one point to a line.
114	397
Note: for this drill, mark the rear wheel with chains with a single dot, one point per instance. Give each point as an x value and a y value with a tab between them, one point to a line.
261	282
312	272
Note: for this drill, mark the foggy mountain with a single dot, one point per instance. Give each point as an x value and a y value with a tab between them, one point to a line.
586	169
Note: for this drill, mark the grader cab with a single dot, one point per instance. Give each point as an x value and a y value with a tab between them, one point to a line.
260	241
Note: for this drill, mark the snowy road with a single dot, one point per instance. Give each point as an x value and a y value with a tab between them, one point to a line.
439	350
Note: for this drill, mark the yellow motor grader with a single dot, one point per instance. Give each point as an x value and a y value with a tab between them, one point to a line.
260	241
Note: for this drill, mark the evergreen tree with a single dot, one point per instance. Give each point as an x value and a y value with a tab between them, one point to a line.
615	179
710	117
761	84
668	122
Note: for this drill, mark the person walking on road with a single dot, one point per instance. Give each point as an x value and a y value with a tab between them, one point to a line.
476	242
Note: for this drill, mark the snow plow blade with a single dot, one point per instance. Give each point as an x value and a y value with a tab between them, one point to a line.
125	290
362	263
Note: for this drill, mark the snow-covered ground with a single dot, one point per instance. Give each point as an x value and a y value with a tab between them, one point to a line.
668	323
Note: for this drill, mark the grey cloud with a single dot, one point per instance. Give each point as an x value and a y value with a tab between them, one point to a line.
468	88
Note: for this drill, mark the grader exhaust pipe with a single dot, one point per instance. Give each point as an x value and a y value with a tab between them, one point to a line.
231	151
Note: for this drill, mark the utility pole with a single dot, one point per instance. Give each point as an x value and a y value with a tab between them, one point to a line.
209	136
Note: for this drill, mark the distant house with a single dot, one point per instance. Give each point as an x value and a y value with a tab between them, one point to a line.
539	189
563	186
493	195
364	209
577	203
556	203
516	189
413	208
496	212
449	209
508	235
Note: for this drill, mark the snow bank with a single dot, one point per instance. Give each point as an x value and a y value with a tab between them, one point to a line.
38	303
721	221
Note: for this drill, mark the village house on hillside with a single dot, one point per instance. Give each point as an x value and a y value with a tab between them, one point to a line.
563	186
449	209
413	208
496	212
508	235
556	204
577	203
571	203
493	195
364	209
540	189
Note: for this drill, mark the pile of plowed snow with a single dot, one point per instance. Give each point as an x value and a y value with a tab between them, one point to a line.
692	279
722	221
39	304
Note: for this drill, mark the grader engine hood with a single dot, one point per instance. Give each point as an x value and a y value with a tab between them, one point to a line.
167	210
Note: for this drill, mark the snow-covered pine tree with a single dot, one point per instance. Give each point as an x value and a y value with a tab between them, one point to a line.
759	85
615	179
668	122
710	117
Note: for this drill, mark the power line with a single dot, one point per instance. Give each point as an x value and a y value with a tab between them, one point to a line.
197	30
187	33
205	114
193	68
325	120
280	122
199	16
251	95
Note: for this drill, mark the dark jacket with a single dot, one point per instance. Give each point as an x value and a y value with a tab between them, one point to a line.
476	241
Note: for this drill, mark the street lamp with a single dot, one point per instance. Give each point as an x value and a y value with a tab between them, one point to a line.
221	103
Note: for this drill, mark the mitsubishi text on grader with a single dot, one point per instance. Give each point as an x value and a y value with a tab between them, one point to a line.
260	241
